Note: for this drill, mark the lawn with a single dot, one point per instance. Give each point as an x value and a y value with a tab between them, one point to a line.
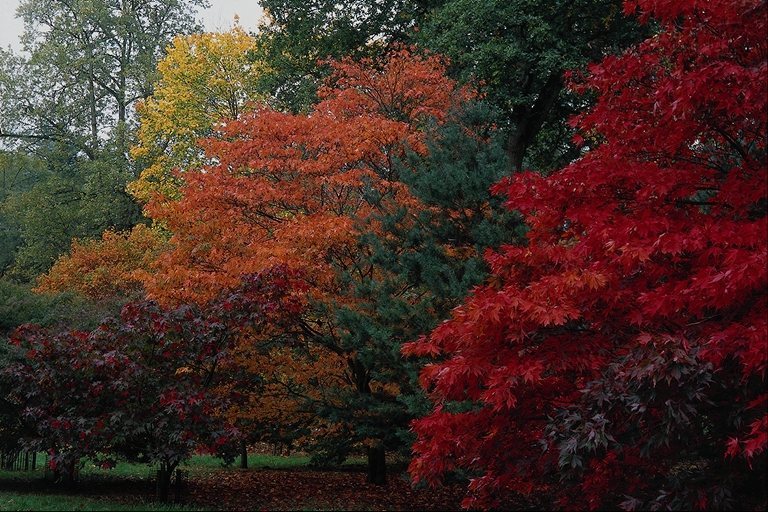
127	486
271	482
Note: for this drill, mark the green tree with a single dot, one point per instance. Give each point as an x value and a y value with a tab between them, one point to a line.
88	62
421	268
70	100
519	50
299	33
65	198
18	173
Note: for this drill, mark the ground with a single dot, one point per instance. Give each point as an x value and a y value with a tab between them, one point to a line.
292	489
271	483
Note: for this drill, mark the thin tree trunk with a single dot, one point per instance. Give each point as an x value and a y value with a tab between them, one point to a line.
377	465
164	475
243	455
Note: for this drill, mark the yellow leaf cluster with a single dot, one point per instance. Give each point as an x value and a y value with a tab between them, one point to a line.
204	79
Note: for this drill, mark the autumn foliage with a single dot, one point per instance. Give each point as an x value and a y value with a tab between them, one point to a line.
613	357
204	79
625	347
296	189
299	190
108	268
145	384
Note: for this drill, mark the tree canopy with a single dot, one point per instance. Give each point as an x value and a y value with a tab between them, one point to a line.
628	337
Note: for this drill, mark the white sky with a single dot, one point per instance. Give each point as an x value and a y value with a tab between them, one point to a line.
217	17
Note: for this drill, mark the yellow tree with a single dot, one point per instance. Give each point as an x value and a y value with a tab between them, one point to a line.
204	79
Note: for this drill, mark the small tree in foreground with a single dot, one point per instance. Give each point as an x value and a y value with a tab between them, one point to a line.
142	386
624	348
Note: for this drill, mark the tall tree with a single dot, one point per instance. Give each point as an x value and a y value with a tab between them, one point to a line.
517	49
625	346
69	99
300	190
89	62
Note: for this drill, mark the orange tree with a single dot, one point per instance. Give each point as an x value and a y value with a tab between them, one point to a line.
106	269
299	190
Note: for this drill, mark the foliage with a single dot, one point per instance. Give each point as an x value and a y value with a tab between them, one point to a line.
20	305
423	265
300	190
290	188
87	62
204	79
299	35
140	386
515	51
18	173
65	197
625	346
69	100
519	50
106	269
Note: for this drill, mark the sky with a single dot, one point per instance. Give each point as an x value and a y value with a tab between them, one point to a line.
217	17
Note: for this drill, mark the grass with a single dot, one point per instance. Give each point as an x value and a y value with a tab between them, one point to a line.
197	463
24	501
37	496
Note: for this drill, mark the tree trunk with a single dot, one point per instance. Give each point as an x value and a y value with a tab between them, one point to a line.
164	475
71	474
377	465
243	455
529	121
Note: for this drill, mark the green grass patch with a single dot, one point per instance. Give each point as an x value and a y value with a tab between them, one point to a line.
27	490
133	470
17	501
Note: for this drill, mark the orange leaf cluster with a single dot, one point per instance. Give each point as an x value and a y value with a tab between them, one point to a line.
108	268
299	189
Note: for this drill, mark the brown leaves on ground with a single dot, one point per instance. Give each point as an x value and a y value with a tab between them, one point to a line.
315	490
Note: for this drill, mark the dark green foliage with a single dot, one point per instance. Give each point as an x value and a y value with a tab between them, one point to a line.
20	305
61	197
302	32
421	267
18	174
519	50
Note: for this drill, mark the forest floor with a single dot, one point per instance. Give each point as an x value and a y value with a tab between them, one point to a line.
307	489
270	483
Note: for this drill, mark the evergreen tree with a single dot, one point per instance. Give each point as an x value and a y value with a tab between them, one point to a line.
421	268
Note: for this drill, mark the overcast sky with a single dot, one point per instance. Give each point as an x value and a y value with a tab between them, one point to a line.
217	17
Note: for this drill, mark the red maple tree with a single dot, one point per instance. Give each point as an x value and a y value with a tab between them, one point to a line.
625	346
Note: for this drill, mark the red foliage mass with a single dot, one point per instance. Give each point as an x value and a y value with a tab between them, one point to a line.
629	337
